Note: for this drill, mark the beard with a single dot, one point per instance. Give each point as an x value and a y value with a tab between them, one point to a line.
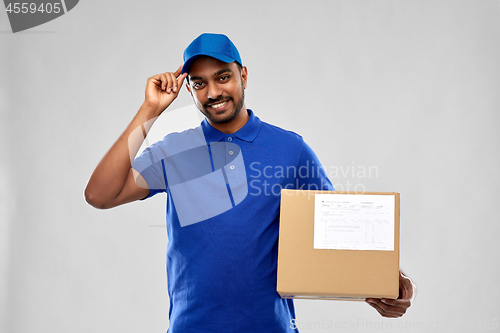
231	113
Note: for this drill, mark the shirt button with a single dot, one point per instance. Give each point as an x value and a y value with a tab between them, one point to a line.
230	152
229	138
231	167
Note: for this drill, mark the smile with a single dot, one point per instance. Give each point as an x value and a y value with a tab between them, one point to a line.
216	106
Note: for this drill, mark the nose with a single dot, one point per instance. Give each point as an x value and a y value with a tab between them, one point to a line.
213	91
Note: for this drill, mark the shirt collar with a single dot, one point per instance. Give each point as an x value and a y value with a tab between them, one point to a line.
247	133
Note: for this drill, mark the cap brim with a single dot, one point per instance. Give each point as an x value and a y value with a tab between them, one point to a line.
218	56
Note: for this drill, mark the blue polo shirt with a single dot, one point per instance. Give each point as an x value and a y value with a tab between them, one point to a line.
223	201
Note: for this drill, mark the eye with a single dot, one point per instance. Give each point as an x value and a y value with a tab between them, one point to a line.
224	78
197	85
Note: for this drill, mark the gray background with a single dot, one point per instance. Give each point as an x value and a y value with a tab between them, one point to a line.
410	88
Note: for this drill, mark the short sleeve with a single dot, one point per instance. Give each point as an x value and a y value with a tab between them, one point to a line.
150	165
312	175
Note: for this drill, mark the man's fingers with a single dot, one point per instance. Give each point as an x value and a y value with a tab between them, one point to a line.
180	80
405	286
163	80
394	308
399	303
383	313
169	81
168	88
156	80
377	307
178	71
174	81
389	308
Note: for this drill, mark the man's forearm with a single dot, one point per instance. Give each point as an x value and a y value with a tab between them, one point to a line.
112	182
110	175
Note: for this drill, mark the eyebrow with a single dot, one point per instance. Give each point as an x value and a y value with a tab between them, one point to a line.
224	70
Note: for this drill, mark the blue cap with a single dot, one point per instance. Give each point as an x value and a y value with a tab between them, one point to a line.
213	45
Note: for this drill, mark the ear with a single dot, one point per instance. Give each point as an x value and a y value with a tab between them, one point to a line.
244	76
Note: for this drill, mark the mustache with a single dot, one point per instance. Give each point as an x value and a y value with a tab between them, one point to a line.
216	100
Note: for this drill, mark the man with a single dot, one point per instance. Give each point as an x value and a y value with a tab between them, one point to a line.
222	181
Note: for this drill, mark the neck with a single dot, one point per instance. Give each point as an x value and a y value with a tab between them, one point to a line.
234	125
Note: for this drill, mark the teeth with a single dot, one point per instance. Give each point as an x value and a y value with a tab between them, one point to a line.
216	106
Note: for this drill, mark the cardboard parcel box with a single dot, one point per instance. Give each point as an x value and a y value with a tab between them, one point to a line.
338	245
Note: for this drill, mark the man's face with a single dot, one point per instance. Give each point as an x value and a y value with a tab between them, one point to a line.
217	88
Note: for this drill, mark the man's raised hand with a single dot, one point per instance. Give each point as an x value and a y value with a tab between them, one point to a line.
163	89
